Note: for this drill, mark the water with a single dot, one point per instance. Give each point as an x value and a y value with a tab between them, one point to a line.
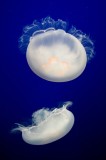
22	92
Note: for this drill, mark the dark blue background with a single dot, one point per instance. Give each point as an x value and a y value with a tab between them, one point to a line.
22	92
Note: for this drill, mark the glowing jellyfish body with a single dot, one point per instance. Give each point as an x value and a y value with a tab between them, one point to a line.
56	56
52	53
48	126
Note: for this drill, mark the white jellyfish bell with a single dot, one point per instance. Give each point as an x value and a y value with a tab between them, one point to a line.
54	54
47	126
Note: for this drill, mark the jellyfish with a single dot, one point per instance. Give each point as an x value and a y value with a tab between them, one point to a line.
47	125
54	52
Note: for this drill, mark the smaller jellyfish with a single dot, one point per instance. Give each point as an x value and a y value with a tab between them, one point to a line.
54	52
47	125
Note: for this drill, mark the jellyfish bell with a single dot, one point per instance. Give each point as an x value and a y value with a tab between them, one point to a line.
53	53
56	56
48	126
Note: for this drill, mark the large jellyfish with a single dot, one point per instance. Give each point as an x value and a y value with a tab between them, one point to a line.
53	53
47	125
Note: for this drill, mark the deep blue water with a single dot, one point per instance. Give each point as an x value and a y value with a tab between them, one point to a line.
22	92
